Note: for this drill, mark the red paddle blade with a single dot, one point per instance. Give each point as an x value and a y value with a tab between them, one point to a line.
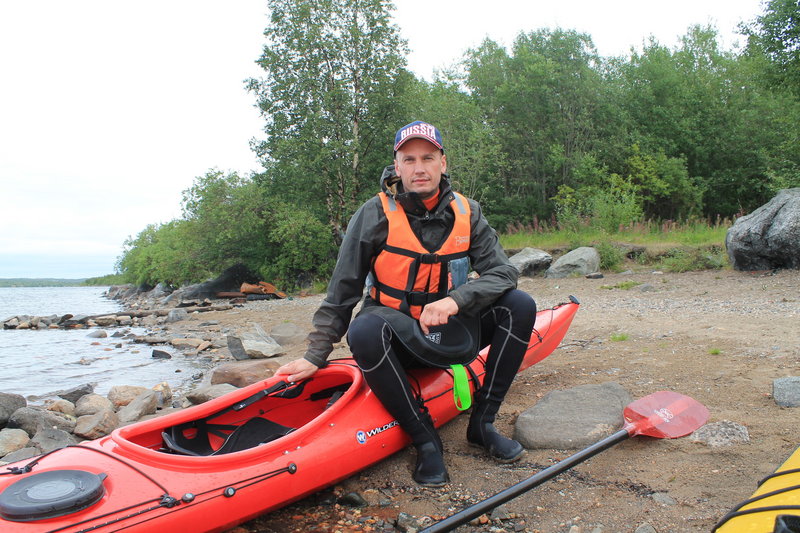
664	415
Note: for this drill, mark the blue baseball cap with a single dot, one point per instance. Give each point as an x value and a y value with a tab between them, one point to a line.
418	130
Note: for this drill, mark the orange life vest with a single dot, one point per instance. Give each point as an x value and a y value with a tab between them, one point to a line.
406	275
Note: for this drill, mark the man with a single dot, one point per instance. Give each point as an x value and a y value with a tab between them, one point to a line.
418	229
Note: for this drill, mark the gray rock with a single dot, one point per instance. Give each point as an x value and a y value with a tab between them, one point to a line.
236	347
176	315
105	321
12	440
73	394
91	404
160	354
288	334
243	373
163	394
8	404
22	455
256	344
96	425
786	391
49	439
769	237
97	334
62	406
144	404
580	261
645	528
572	418
72	320
352	499
121	395
531	261
32	419
204	394
160	291
186	343
719	434
663	498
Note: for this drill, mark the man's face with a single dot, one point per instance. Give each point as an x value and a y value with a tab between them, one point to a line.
420	165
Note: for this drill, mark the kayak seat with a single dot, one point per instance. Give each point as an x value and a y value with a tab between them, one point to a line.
255	431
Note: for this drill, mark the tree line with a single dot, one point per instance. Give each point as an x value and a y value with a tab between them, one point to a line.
544	132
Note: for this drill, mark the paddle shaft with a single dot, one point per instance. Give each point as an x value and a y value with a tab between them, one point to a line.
465	515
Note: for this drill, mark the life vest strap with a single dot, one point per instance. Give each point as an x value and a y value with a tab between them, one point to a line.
426	258
412	298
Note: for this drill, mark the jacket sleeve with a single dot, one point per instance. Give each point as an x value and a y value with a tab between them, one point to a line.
487	258
346	286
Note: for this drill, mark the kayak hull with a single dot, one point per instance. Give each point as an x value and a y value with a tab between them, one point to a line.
338	427
778	495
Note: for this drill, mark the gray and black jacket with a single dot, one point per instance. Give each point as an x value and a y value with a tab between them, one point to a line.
366	236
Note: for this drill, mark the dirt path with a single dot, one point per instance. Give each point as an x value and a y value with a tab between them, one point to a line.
721	337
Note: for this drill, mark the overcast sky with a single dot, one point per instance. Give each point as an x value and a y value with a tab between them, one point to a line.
108	109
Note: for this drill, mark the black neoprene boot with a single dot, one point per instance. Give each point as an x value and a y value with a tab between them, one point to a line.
430	470
482	433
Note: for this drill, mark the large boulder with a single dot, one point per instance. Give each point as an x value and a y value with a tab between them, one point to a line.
97	425
9	403
74	394
49	439
32	419
144	404
122	395
12	440
769	237
572	418
90	404
531	261
253	345
229	281
580	261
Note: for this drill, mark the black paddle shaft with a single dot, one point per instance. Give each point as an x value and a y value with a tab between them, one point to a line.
473	511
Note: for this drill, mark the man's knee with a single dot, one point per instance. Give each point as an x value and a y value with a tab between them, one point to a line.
367	336
519	303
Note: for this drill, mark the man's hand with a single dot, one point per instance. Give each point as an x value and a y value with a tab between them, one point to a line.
297	369
437	313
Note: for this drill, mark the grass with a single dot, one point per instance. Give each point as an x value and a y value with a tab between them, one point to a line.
668	234
668	246
619	337
624	285
714	351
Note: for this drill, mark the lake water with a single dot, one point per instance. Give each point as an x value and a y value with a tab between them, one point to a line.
37	362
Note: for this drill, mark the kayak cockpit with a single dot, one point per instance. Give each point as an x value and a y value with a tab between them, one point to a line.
245	419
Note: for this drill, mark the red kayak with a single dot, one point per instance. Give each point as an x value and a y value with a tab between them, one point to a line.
215	465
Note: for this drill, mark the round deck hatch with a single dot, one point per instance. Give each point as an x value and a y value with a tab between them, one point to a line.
51	494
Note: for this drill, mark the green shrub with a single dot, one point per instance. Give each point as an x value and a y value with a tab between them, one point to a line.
611	257
687	260
304	245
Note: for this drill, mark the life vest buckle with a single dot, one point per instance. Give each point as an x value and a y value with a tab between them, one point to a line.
418	298
430	259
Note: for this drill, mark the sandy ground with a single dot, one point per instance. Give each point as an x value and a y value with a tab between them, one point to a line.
721	337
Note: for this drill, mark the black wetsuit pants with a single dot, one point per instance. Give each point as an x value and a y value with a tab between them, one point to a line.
506	325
